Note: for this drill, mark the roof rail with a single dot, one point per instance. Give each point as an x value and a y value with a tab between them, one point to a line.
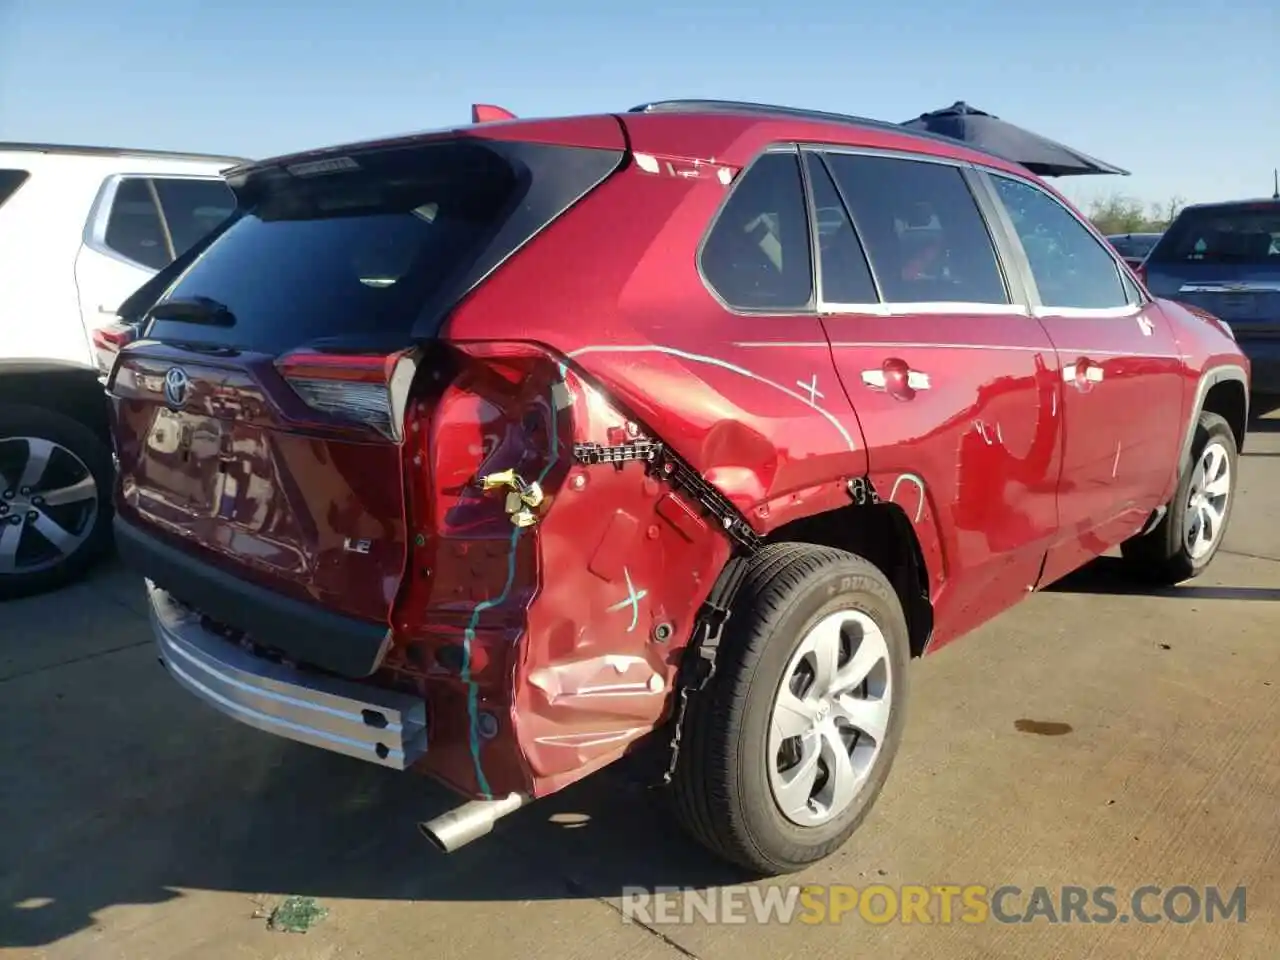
87	151
800	113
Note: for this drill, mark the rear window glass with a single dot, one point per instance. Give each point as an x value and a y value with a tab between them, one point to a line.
10	181
757	254
351	250
1241	234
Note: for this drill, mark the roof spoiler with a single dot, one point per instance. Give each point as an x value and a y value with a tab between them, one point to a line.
488	113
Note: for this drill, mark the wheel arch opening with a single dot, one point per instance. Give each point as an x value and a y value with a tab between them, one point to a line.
1228	400
70	390
882	534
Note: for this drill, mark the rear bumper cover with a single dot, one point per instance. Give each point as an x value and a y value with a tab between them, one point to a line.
381	726
305	632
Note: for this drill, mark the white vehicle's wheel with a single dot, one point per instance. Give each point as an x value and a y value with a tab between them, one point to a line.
786	750
1190	534
55	499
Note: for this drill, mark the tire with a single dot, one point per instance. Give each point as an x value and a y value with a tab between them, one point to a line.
723	791
1166	555
73	457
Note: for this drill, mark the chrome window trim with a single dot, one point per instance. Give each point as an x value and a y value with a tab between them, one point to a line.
1024	295
927	345
924	307
886	153
1128	311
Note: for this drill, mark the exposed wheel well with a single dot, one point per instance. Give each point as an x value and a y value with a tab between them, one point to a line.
70	390
882	534
1227	399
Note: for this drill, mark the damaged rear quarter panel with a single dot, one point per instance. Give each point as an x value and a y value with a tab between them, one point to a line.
544	651
751	403
626	561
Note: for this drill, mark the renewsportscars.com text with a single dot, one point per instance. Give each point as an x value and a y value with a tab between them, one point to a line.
881	904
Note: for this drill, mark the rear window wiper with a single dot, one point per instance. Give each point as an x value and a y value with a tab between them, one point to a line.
204	310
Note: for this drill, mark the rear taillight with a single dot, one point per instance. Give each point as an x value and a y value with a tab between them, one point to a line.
500	428
108	341
371	390
1141	272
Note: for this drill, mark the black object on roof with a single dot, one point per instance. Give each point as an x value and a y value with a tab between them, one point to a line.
795	113
1040	155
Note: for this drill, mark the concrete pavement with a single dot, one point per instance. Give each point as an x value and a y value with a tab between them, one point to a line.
1089	737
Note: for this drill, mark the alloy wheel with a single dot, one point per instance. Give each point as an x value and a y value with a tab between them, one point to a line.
830	718
1207	500
48	504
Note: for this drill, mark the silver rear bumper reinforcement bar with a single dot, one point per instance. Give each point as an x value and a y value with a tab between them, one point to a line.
381	726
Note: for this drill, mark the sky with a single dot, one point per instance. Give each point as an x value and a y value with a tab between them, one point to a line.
1184	94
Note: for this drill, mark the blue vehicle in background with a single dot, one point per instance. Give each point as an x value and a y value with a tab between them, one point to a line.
1134	247
1225	258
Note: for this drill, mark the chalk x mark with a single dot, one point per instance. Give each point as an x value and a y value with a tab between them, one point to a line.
812	389
631	600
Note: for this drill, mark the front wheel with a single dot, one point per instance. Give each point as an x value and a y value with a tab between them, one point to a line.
787	748
1190	534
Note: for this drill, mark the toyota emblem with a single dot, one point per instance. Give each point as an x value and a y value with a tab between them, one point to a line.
176	383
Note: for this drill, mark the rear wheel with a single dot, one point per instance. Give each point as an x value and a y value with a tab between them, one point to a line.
1190	534
788	747
55	507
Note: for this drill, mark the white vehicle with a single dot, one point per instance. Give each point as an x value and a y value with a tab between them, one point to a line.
81	228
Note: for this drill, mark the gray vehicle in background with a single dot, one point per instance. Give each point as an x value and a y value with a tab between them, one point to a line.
1225	258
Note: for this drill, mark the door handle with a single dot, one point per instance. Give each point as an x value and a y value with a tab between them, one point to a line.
897	379
1083	374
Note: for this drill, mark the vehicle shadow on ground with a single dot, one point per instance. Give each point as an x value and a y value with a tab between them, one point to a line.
1107	575
113	806
1262	414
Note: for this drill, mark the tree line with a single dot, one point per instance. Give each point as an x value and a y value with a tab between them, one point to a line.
1118	213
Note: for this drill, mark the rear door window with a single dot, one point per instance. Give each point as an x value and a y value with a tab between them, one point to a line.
846	276
134	227
192	207
757	255
1248	235
1072	269
10	181
922	229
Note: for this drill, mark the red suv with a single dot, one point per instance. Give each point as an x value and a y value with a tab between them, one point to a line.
492	452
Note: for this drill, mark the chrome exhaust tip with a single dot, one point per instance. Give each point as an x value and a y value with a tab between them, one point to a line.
472	820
